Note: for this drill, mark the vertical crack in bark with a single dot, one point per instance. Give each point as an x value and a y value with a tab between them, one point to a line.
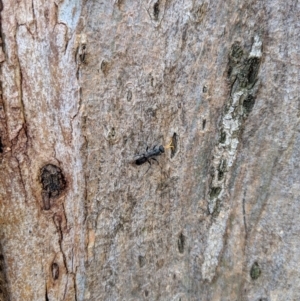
71	276
57	222
80	56
2	52
21	94
21	178
75	286
46	293
66	288
33	10
19	147
65	215
244	218
19	143
4	294
242	74
5	144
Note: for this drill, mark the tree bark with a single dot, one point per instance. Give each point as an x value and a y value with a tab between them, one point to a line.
88	88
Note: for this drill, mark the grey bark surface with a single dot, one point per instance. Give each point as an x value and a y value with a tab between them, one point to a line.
86	87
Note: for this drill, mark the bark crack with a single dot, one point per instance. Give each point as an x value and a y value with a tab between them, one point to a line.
21	178
21	94
244	218
33	10
57	222
75	286
2	52
46	294
4	293
66	288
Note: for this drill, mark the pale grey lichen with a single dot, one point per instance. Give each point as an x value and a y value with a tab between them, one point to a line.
243	76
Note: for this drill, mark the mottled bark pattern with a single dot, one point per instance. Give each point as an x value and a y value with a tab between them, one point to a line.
88	85
40	139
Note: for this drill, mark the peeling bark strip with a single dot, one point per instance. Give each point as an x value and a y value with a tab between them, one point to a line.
242	74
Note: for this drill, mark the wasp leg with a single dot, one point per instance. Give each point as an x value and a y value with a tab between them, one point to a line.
145	144
149	166
155	160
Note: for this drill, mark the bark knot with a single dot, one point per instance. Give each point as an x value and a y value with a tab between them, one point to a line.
53	183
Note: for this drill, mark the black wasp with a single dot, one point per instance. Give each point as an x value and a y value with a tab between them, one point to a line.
151	154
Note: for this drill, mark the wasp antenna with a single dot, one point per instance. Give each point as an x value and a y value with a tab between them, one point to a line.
170	145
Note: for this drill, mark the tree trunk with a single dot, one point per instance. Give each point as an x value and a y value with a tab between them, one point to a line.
89	89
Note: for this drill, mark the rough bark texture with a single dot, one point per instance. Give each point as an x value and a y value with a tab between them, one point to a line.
86	86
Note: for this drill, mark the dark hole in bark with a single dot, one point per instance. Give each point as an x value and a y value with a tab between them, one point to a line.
214	192
222	137
156	10
55	271
253	66
248	104
82	54
1	146
142	261
255	271
217	209
129	95
46	296
222	169
53	183
104	67
174	145
181	243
